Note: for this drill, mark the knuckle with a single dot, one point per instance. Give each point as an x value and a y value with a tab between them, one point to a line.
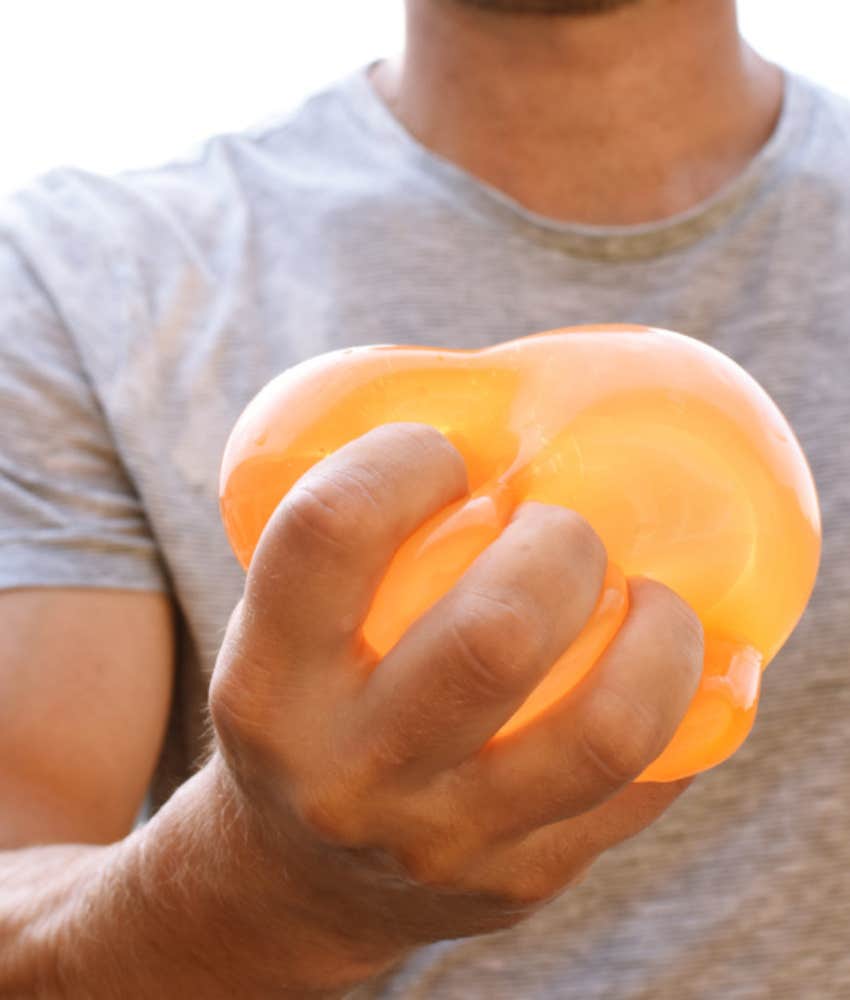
381	754
583	548
586	547
225	715
422	450
678	627
618	737
329	815
496	640
429	865
244	691
333	510
527	891
239	715
689	637
573	551
585	558
430	443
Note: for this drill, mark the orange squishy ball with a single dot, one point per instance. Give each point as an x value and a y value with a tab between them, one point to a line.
677	457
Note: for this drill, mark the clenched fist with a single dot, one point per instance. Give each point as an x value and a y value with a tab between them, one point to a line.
374	789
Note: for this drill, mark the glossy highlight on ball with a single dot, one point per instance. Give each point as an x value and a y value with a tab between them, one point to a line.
681	462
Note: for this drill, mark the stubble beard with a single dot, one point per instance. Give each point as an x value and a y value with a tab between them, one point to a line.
562	7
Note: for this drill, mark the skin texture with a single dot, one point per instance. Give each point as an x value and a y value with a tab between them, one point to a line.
367	784
662	99
559	7
80	774
306	857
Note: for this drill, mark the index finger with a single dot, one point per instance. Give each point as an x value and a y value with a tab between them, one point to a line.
326	547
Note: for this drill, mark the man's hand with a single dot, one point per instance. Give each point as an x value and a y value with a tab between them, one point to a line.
355	809
371	793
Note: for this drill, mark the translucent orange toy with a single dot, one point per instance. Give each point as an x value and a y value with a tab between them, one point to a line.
678	458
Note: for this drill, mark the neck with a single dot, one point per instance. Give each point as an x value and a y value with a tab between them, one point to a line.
616	118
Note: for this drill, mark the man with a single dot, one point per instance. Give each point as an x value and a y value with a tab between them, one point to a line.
525	165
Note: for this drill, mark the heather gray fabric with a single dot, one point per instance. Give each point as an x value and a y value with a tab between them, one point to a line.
139	313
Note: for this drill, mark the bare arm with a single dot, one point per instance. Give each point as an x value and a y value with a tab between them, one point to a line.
181	907
85	687
88	908
353	809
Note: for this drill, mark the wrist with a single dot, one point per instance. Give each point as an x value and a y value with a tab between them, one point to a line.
289	908
36	915
205	900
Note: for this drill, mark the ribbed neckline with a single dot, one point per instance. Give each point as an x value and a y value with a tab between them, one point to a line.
601	242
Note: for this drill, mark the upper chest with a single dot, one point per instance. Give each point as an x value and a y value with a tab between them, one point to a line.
211	345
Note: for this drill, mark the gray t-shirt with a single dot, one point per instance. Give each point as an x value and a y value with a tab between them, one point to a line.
139	313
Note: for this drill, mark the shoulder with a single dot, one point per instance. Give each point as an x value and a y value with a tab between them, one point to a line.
801	211
153	247
831	108
823	129
188	206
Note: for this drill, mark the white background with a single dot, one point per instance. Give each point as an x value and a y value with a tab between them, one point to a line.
108	84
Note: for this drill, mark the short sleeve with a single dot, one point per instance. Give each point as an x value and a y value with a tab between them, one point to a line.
69	515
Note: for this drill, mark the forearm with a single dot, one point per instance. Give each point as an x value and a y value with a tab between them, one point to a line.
37	887
184	906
